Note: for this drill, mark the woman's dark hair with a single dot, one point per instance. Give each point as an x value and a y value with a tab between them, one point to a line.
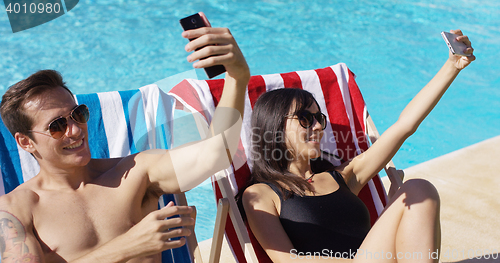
269	154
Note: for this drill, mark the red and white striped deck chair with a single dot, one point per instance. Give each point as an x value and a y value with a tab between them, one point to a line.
346	135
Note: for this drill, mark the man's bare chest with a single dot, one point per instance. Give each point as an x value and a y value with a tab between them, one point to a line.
69	224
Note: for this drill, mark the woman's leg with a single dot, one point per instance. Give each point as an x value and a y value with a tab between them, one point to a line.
408	229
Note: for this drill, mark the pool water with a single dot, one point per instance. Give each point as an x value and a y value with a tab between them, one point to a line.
393	46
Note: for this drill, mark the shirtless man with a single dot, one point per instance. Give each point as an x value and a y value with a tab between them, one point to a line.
79	209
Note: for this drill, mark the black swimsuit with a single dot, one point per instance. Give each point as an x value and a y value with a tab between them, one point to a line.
337	222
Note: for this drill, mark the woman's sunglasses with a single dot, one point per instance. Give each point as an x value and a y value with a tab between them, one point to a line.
306	118
57	127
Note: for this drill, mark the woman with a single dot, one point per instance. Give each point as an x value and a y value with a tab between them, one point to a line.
297	214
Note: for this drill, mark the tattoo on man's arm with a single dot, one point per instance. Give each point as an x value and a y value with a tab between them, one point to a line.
13	246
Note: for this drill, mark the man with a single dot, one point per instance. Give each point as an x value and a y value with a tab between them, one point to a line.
79	209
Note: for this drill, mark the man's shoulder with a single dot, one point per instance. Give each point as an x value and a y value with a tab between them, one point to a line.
105	165
22	195
136	163
19	203
110	170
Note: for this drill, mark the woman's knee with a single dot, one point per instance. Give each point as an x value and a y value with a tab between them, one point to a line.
420	190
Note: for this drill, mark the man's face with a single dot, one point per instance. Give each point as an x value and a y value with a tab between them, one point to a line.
72	148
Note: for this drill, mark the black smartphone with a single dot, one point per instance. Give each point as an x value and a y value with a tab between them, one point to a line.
193	22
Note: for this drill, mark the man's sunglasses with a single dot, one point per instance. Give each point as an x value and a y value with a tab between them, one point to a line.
57	127
306	118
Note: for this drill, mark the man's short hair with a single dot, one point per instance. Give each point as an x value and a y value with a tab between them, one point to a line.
12	107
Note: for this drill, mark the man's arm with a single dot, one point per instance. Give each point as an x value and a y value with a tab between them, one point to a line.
183	168
19	242
16	227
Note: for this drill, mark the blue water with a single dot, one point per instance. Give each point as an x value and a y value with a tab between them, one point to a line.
393	46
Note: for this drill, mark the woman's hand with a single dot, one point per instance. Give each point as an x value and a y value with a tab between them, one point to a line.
460	62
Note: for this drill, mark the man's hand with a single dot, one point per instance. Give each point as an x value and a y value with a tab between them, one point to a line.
154	233
218	47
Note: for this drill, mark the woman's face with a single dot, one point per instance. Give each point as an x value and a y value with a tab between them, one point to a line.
304	143
9	231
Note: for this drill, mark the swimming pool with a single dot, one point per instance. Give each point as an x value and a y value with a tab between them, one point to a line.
393	46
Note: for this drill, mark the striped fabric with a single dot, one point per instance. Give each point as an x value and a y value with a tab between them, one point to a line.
121	123
340	100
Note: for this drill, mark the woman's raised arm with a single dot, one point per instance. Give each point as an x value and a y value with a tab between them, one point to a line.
364	166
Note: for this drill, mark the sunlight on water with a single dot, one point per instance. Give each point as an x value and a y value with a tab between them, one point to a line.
393	46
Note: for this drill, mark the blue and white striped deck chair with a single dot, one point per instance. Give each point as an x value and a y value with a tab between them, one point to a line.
121	123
